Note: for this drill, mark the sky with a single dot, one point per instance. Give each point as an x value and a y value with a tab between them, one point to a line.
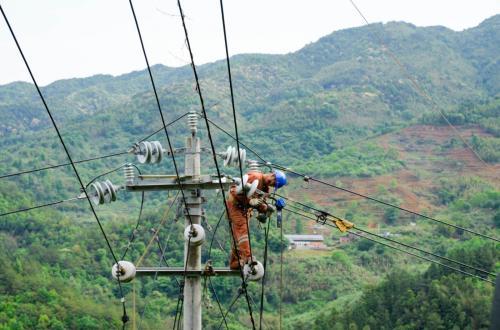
78	38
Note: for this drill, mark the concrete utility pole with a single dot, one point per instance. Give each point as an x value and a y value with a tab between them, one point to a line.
192	254
193	184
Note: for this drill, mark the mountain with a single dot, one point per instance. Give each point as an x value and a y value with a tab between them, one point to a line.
341	109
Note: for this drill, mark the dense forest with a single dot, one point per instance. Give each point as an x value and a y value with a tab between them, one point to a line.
339	109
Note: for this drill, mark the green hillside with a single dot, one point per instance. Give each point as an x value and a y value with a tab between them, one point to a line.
339	109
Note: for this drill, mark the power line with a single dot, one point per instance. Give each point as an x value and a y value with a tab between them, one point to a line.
124	317
134	230
234	116
389	239
184	200
401	250
232	137
309	178
423	93
40	206
160	111
58	133
209	134
48	167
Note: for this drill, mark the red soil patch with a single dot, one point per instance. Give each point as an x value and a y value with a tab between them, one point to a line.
427	160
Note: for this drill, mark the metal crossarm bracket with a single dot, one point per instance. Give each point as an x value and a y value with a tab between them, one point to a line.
169	182
174	271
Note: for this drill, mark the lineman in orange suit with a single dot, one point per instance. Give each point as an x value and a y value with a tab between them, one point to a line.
240	209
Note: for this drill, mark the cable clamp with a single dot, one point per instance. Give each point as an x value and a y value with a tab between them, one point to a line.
209	269
321	218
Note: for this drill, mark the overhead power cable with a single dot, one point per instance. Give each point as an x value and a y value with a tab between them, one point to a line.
40	206
157	99
228	62
209	134
58	134
376	200
48	167
124	317
420	90
319	212
398	249
59	201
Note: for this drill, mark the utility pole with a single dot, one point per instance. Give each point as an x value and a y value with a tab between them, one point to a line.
193	183
192	254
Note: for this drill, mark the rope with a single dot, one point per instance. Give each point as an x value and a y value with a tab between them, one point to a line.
164	218
240	292
162	258
218	301
133	233
261	314
281	277
215	239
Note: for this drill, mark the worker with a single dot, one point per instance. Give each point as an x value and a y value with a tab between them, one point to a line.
240	207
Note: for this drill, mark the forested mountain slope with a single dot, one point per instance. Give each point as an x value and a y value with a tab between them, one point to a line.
340	109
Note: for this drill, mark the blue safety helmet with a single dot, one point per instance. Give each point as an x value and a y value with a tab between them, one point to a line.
280	179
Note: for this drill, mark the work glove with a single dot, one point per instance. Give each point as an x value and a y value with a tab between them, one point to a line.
270	209
255	202
262	217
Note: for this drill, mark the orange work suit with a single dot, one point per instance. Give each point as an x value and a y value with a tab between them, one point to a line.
239	216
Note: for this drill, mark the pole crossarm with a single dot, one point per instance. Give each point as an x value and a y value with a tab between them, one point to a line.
170	182
179	271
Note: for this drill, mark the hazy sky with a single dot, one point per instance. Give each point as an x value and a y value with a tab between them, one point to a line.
78	38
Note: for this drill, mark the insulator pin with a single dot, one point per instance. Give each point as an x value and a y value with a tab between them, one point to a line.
253	271
253	165
128	172
102	192
148	152
194	234
193	121
230	156
124	271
